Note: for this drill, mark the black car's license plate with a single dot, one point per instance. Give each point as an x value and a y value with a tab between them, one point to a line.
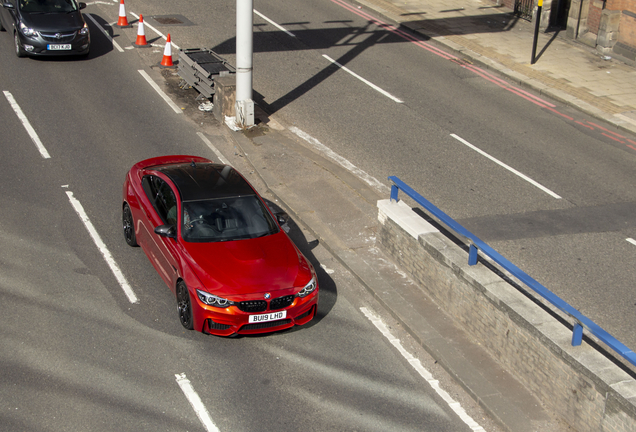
58	47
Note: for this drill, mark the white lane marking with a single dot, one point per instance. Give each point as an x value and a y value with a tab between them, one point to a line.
146	25
509	168
281	28
214	149
371	181
115	44
27	125
632	241
424	373
196	403
370	84
102	248
160	92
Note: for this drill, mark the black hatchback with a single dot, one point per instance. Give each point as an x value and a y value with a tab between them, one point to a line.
46	27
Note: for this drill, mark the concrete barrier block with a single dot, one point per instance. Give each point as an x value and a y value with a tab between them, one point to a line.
404	216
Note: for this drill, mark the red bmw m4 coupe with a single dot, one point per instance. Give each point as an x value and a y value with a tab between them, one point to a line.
218	246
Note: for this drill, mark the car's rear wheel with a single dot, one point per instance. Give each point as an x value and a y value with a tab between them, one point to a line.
184	307
19	51
129	226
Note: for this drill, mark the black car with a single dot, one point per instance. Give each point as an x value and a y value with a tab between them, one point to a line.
46	27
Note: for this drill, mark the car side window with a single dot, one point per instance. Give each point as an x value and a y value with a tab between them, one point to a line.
162	198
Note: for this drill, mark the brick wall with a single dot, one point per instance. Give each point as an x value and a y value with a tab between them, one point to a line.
594	16
627	30
586	389
621	5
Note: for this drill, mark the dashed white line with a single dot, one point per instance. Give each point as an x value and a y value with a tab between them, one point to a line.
632	241
214	149
370	84
25	122
115	44
424	373
281	28
196	403
323	149
509	168
160	92
102	248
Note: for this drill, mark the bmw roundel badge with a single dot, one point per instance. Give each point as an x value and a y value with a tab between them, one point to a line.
267	296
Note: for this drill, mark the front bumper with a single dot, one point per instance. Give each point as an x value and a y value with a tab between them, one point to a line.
39	45
232	321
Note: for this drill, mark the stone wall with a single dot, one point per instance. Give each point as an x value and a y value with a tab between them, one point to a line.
585	388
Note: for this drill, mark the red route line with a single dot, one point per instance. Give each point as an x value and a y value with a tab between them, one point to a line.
631	146
561	114
395	30
606	130
584	125
611	137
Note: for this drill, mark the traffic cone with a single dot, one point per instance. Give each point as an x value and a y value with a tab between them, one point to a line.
141	34
123	21
166	61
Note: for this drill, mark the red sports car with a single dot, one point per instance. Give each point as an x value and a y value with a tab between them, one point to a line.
217	246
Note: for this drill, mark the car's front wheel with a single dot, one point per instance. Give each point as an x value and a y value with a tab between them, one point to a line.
19	51
129	226
184	307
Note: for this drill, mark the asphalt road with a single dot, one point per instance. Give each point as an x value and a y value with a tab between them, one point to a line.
78	354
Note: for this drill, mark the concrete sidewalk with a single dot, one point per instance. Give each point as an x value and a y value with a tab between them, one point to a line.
480	31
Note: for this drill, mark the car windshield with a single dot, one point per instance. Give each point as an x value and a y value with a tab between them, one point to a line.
224	219
48	6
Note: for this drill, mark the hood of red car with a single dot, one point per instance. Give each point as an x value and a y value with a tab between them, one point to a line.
240	267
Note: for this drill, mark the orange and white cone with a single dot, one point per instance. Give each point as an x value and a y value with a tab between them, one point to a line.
123	21
141	34
166	61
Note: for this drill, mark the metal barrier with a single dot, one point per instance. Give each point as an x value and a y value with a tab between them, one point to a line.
476	245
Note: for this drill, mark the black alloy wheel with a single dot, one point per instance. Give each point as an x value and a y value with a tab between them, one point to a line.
129	226
184	308
19	51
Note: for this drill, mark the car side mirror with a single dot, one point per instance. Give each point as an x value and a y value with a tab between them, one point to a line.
8	5
282	218
166	231
82	5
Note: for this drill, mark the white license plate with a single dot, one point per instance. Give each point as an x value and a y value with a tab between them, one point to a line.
58	47
272	316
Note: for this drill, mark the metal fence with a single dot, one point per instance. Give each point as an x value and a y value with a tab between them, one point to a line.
523	8
476	246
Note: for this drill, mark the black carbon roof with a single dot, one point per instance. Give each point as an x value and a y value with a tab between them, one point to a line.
206	181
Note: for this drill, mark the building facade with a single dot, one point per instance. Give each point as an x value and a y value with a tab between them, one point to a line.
607	25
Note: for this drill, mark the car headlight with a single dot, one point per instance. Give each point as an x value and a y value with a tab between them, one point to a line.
28	32
309	288
84	30
212	300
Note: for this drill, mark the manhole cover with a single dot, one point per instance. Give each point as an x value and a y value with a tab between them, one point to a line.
169	20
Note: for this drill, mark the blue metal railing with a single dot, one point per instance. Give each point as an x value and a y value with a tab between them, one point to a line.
476	245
